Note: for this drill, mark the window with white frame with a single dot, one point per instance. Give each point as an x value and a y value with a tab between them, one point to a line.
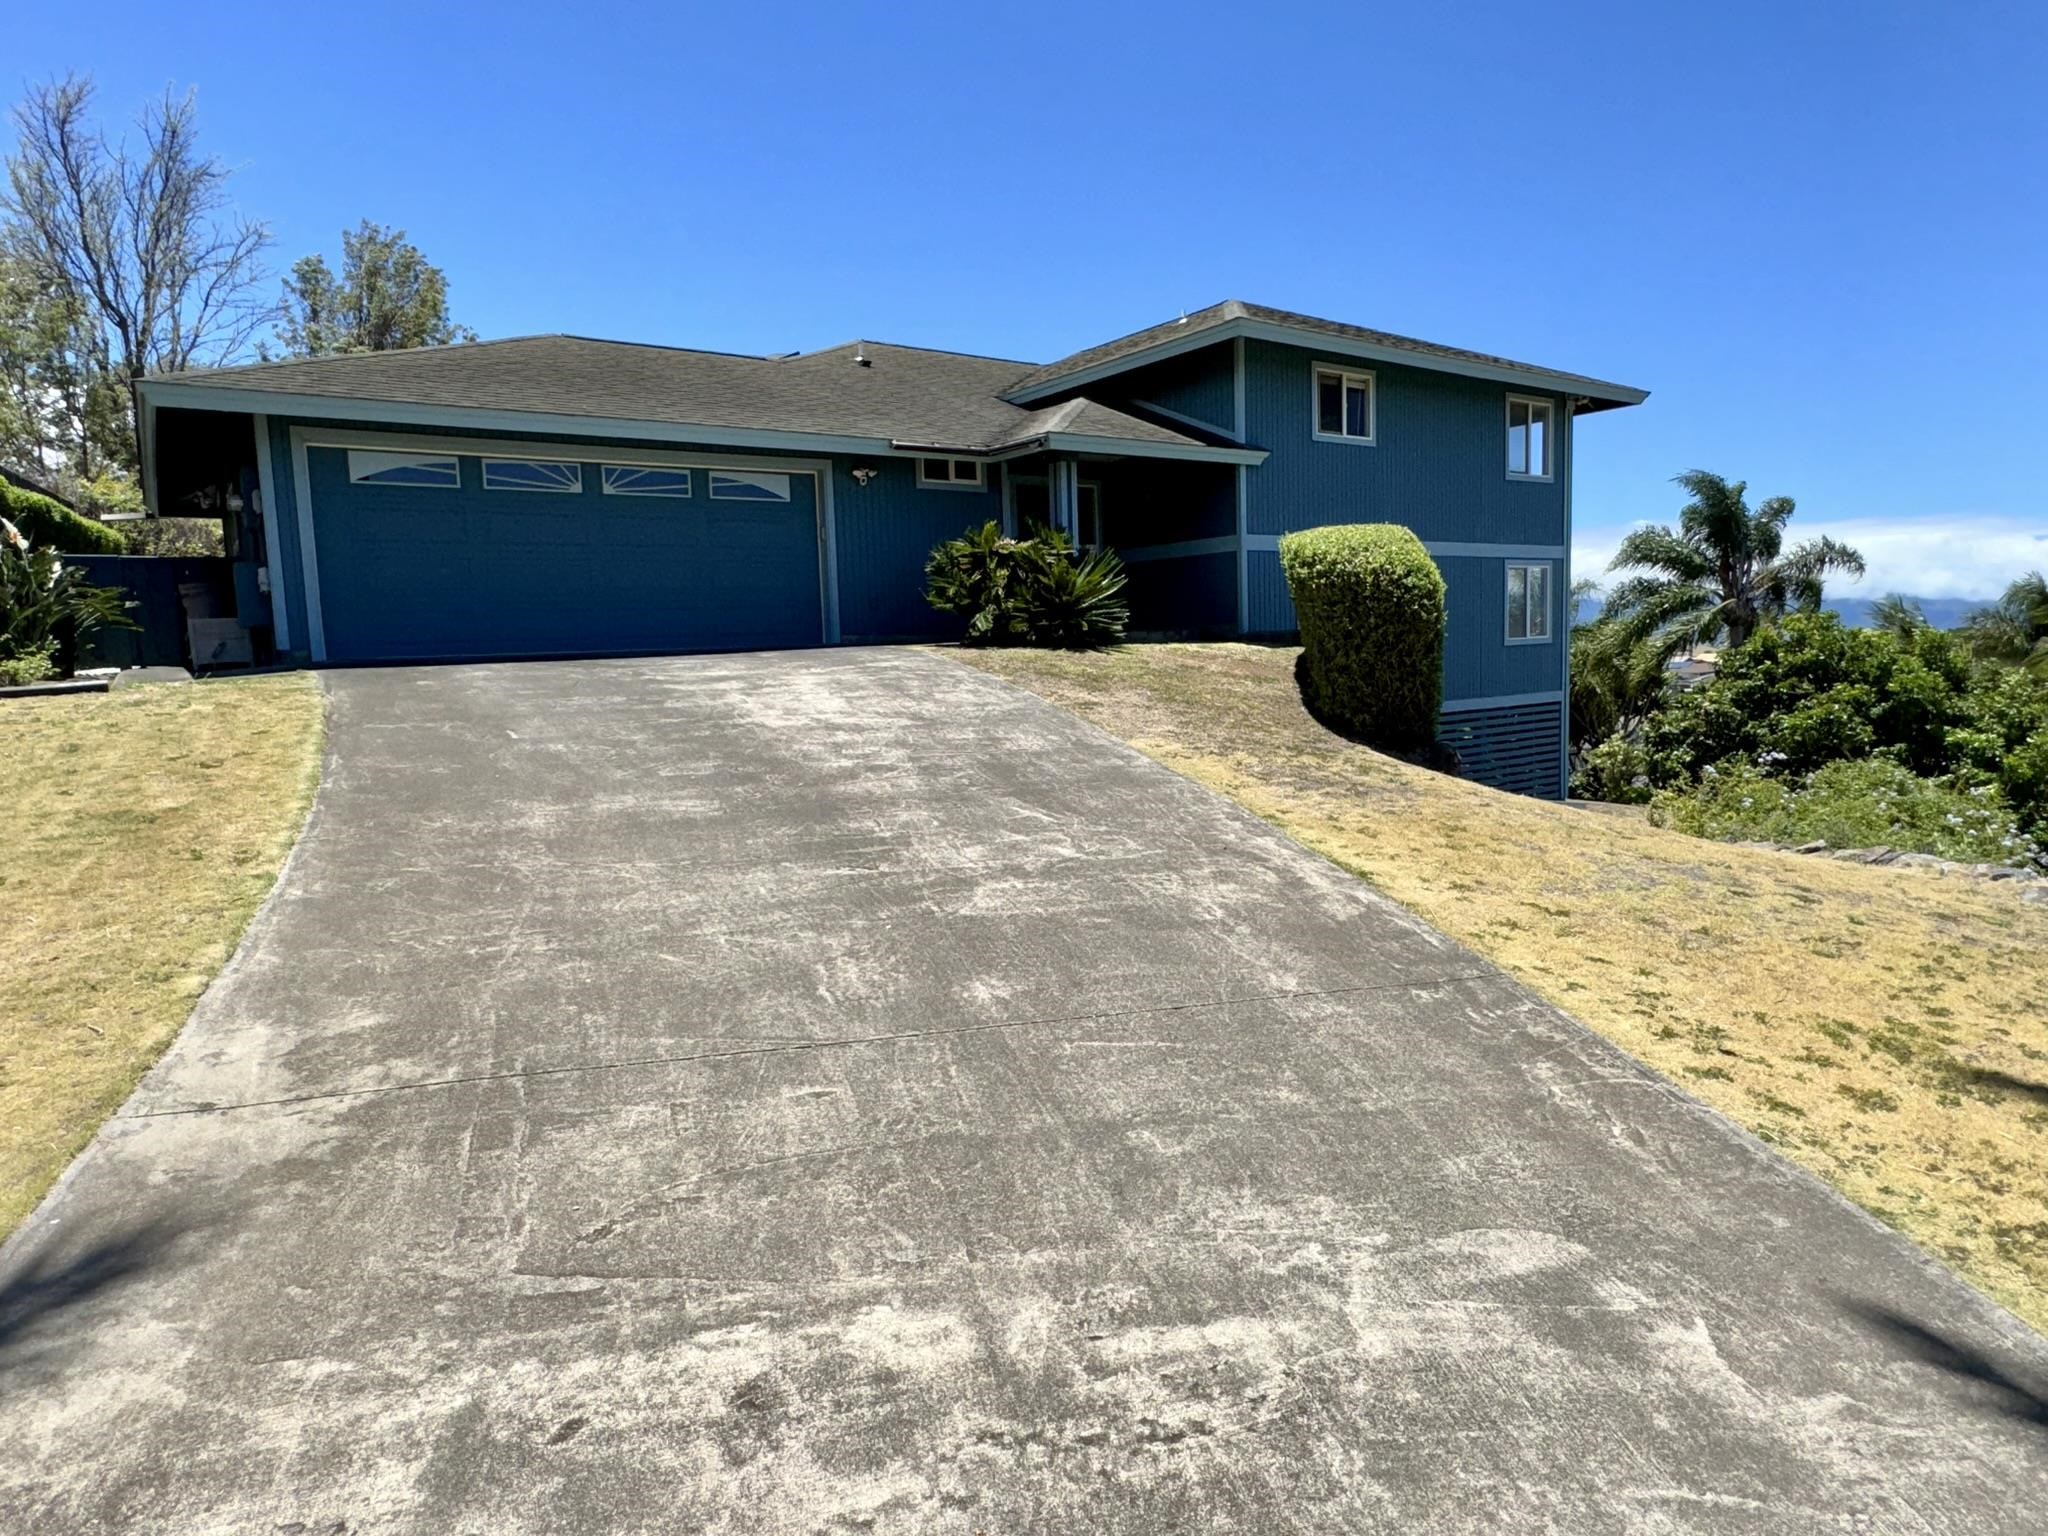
1528	602
532	475
1529	433
1088	507
950	474
644	480
1346	404
428	471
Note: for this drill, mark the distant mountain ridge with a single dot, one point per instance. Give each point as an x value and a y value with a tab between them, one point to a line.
1942	612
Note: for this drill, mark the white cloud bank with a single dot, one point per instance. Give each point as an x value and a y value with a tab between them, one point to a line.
1972	557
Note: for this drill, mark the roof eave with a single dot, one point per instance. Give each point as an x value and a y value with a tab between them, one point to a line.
1608	395
156	393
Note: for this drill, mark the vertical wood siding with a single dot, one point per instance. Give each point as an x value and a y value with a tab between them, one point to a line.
1439	464
885	529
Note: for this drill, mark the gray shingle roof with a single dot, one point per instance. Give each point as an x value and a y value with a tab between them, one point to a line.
909	395
1217	315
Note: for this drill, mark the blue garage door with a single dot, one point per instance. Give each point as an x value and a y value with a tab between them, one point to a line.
425	555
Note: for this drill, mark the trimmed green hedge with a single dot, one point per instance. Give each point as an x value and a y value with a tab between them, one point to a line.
53	525
1370	603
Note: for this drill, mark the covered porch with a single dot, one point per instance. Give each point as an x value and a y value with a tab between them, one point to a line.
1173	522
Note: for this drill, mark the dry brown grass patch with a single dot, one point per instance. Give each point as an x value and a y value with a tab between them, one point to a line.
144	826
1887	1029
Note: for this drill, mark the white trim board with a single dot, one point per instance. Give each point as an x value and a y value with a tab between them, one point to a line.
207	398
304	438
1269	543
201	397
273	546
1319	341
1501	701
1185	549
1188	421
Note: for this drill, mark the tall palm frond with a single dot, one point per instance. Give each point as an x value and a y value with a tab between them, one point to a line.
2015	628
1722	571
1897	613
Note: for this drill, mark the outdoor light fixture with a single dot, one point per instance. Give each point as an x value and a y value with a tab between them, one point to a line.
864	474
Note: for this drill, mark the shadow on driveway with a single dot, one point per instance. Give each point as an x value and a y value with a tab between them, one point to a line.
65	1275
1987	1384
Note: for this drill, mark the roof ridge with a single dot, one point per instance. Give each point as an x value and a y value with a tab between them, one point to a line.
904	346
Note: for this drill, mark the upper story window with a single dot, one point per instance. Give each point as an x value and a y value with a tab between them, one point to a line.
1346	404
1529	433
1528	602
950	474
433	471
532	475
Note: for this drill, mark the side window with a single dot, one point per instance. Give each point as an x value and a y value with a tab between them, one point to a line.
1090	496
949	474
1346	405
1529	424
1528	602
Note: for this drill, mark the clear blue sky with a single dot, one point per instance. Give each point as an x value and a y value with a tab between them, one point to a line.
1818	234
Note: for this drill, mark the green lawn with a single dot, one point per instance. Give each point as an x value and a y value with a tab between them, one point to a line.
144	827
1886	1028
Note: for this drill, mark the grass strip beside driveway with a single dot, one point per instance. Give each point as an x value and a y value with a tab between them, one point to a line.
1885	1028
143	828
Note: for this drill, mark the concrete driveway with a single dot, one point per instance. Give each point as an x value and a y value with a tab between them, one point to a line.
839	1092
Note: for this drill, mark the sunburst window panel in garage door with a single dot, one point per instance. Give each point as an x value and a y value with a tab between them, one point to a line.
645	480
748	485
420	470
547	475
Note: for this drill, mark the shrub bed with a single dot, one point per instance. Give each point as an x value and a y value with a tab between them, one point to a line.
1370	603
1034	591
55	526
1866	804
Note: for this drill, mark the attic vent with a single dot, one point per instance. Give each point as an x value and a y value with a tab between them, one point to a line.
860	355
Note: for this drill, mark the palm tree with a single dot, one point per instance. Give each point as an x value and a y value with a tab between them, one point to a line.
2015	628
1898	613
1723	571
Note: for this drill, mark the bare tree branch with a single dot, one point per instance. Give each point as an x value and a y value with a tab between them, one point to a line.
144	235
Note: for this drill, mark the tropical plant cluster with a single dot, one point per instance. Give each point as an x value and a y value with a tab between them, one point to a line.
1370	602
45	607
1900	735
1036	591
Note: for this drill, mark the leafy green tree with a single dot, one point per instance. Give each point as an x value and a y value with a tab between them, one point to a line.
388	297
1723	571
2015	628
1807	692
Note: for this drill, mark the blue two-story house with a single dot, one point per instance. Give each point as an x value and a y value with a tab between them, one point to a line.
558	496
